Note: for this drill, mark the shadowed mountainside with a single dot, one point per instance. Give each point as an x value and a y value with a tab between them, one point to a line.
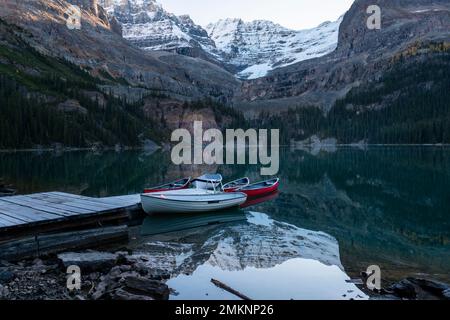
362	56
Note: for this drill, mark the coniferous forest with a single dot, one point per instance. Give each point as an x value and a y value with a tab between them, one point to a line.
27	123
409	105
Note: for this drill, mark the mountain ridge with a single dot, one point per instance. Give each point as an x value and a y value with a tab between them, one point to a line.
248	49
260	46
362	55
352	94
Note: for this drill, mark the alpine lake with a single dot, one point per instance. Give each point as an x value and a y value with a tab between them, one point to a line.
338	211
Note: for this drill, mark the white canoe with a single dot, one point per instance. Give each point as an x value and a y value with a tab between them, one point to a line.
190	200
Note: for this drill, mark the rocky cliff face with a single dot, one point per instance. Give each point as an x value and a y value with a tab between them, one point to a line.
98	48
93	7
87	77
362	55
148	26
248	49
88	5
260	47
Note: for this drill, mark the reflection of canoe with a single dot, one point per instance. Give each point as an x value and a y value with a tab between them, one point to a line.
164	223
176	185
261	188
190	200
235	185
257	200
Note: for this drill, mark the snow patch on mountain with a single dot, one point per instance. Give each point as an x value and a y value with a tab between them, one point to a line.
249	49
146	24
261	46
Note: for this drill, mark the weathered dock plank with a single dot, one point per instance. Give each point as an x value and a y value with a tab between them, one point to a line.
70	206
27	215
52	200
90	203
5	222
41	206
128	200
124	200
10	221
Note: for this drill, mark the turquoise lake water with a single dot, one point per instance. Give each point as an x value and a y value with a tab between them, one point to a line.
337	212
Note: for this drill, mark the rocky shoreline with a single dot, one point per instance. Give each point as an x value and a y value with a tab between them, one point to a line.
124	276
104	276
410	288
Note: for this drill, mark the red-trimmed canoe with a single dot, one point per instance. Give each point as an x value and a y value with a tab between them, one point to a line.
257	200
176	185
261	188
235	185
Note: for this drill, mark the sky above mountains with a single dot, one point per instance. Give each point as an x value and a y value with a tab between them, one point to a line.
294	14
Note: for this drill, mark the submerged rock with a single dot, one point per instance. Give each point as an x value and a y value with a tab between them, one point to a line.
419	288
432	286
403	289
124	283
147	287
122	294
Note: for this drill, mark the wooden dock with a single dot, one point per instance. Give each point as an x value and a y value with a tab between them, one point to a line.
32	215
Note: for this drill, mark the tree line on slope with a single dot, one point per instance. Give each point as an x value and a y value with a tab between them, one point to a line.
409	105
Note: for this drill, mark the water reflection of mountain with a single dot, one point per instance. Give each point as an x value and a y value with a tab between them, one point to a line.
258	243
386	206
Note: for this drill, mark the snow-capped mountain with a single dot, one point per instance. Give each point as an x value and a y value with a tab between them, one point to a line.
147	25
249	49
260	46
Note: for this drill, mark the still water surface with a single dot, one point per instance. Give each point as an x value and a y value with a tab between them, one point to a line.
336	213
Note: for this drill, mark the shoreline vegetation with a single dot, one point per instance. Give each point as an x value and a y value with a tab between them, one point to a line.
354	145
73	113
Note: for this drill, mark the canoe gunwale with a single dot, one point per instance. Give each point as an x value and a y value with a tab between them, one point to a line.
244	196
229	186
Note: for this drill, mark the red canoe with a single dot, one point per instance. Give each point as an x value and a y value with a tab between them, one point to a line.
236	185
176	185
257	200
261	188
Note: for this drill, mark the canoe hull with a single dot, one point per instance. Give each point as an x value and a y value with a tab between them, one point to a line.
258	192
162	204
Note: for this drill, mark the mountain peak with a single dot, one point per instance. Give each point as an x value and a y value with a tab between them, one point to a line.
138	5
260	46
250	49
149	26
187	20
